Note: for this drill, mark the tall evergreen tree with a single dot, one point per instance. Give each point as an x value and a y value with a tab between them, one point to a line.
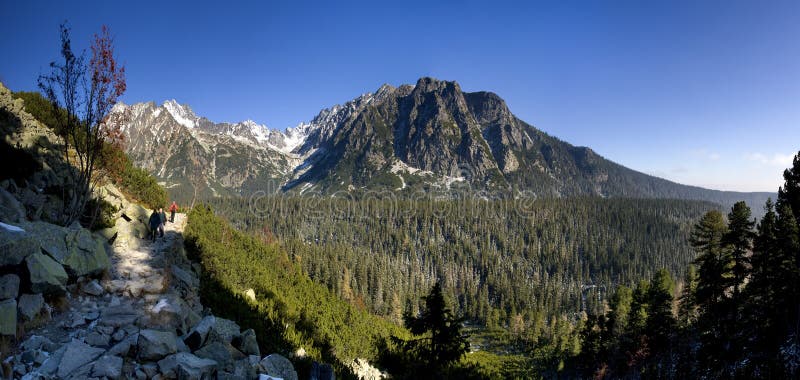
739	238
789	193
715	279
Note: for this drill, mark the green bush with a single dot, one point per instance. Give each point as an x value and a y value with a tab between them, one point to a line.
98	214
291	310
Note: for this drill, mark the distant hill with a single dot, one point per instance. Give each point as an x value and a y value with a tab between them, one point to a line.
430	137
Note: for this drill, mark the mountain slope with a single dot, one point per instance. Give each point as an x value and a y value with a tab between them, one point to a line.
431	136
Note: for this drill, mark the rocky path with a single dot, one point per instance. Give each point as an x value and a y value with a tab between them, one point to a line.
143	320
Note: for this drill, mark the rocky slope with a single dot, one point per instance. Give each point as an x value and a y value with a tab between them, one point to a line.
430	136
143	319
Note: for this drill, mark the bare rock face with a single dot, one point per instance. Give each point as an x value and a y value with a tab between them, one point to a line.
9	286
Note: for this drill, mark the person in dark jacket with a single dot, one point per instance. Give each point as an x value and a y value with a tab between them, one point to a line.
154	223
163	217
172	210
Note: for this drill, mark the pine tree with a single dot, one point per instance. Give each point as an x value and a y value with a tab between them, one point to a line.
740	240
789	193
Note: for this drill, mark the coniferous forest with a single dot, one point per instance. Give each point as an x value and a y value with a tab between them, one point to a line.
585	287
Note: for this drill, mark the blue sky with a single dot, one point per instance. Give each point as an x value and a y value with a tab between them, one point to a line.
700	92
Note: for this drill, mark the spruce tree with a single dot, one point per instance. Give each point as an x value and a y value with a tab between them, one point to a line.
740	240
789	193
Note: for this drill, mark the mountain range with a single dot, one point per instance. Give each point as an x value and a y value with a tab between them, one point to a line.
430	137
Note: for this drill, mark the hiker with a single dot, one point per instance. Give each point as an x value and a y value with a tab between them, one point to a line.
162	216
155	223
172	210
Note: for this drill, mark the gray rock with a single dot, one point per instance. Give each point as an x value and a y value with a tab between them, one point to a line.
217	352
224	330
119	335
247	343
30	306
155	345
50	366
151	369
97	339
321	371
92	288
184	365
36	342
118	316
74	248
9	286
77	356
108	366
85	255
16	245
46	275
188	279
8	317
123	348
197	337
278	366
11	210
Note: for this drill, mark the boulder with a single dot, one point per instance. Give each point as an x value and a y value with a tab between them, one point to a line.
217	352
85	255
97	339
8	317
108	366
77	356
30	306
247	343
16	245
92	288
278	366
188	279
197	337
74	248
184	365
46	275
223	330
155	345
11	210
38	342
9	286
118	316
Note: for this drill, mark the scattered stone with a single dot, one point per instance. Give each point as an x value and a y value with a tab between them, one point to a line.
117	316
47	275
9	286
189	280
155	345
267	377
97	339
300	353
36	342
108	366
119	335
151	369
197	337
184	365
123	348
77	320
247	343
50	366
92	315
77	355
8	317
85	256
224	330
92	288
30	306
278	366
107	330
217	352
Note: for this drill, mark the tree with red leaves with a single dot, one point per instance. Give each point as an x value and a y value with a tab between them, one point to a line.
82	96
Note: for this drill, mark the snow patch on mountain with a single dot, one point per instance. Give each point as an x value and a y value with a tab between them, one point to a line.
182	114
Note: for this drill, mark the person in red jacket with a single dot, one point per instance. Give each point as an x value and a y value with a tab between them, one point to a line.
172	210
